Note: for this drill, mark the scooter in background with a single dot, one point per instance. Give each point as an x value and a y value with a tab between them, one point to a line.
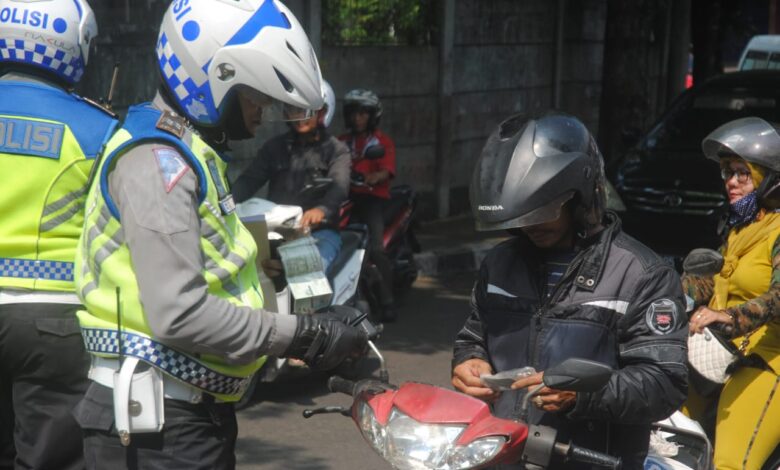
398	239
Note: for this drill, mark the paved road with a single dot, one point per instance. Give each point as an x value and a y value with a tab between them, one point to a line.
272	433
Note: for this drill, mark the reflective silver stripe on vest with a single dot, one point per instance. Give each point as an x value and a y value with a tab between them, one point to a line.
90	286
170	361
208	232
64	201
236	259
109	247
62	218
221	273
36	269
232	289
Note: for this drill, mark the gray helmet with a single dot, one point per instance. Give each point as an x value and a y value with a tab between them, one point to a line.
361	98
751	138
529	168
756	141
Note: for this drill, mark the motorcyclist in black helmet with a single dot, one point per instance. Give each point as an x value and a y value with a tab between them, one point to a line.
569	283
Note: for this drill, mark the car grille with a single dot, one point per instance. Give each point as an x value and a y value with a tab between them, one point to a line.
672	201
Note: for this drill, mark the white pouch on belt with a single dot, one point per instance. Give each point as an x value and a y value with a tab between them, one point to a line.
138	400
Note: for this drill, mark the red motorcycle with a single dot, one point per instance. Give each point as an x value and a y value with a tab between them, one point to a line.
420	426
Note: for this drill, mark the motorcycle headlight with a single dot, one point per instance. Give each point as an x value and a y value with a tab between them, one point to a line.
478	452
409	444
372	431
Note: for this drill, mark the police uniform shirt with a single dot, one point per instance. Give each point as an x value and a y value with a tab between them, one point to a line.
158	206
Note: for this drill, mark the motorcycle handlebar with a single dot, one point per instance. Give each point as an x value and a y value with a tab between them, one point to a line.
581	454
338	384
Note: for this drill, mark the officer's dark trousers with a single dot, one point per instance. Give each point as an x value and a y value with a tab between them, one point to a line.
195	436
44	367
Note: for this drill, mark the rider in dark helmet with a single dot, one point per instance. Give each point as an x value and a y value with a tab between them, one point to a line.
569	283
362	112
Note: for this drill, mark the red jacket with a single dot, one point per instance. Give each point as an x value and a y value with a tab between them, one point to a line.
357	145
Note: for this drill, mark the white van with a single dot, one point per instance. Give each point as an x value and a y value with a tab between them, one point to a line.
762	52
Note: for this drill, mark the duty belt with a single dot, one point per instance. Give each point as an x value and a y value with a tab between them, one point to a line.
172	362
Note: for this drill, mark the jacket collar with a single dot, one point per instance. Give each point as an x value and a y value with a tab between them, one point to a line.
595	256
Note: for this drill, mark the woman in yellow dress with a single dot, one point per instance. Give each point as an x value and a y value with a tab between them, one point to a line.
746	293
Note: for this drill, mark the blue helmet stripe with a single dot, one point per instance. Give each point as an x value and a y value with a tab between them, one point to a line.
267	15
78	7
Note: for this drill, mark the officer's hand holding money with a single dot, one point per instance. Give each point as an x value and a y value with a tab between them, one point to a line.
324	343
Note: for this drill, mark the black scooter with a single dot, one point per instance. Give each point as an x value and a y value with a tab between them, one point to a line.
398	241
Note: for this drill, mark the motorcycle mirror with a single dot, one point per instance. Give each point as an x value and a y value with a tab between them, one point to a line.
375	152
703	262
578	375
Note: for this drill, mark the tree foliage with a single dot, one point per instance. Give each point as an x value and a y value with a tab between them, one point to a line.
359	22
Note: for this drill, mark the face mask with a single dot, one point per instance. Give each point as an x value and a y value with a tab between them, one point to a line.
744	210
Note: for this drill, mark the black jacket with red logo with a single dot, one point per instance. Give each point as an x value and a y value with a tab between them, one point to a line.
618	303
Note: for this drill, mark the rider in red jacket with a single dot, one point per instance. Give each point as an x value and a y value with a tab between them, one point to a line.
362	111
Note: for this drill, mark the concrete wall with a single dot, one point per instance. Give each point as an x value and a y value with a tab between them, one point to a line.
507	56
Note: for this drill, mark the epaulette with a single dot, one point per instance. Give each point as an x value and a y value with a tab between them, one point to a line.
172	124
99	106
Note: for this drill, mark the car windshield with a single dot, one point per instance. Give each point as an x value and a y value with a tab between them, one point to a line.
698	114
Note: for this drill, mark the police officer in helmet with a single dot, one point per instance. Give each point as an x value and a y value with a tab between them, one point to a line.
164	254
569	283
49	139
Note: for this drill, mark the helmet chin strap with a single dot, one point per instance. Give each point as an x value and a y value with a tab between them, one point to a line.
231	127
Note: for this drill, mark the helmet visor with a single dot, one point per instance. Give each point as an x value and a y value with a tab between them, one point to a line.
272	109
559	134
752	139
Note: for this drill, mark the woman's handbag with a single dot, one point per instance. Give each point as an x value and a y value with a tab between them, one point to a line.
711	355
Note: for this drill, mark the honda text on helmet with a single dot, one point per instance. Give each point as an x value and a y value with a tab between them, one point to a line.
51	35
362	99
755	141
205	59
530	168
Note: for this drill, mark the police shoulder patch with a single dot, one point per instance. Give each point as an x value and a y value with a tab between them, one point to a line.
172	166
662	316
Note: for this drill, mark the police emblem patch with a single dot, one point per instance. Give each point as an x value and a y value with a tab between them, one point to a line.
662	316
172	166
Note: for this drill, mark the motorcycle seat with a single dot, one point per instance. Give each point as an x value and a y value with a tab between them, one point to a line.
350	242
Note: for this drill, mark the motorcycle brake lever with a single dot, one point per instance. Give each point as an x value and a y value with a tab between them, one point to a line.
308	413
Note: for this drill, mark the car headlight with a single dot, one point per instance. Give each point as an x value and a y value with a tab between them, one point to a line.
409	444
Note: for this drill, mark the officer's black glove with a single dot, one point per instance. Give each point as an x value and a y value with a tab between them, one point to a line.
323	343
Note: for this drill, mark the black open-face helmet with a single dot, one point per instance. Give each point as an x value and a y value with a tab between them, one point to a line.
530	168
755	141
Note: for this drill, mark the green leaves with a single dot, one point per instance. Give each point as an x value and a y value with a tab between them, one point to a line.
378	22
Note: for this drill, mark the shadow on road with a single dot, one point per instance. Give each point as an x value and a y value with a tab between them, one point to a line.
431	314
274	455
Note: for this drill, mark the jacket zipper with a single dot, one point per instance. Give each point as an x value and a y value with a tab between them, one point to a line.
546	301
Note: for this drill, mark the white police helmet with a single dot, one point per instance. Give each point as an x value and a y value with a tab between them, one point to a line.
53	35
330	103
210	49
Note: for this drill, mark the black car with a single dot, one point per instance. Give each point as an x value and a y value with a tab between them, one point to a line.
674	196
